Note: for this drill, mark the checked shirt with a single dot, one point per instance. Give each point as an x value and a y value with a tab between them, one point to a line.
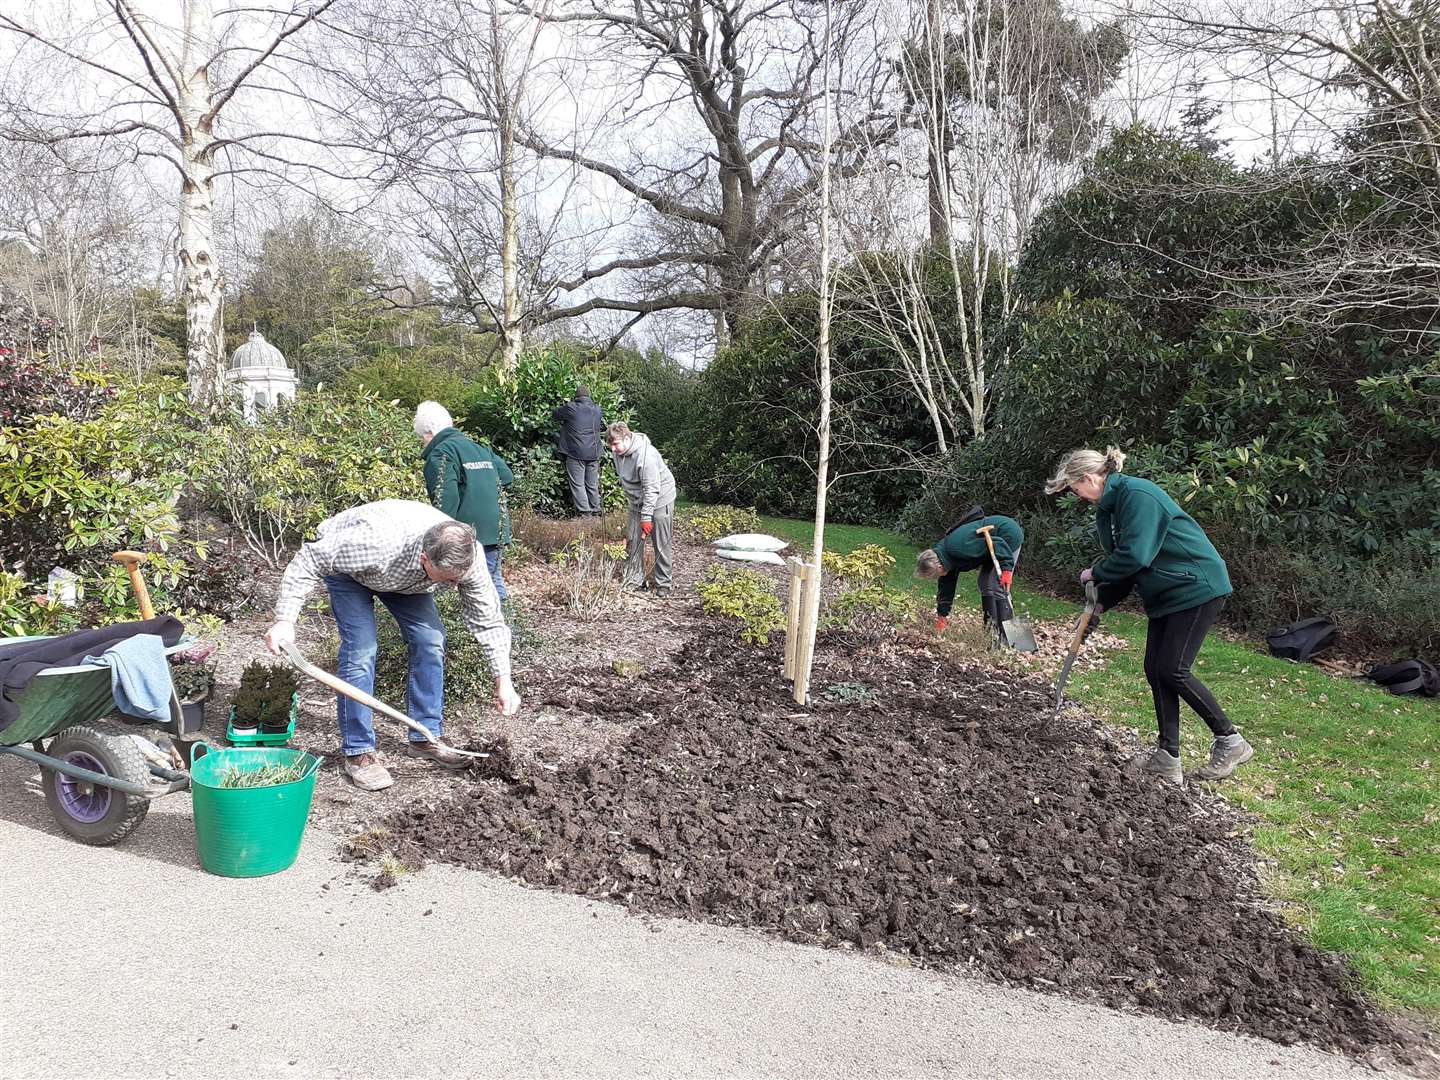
378	545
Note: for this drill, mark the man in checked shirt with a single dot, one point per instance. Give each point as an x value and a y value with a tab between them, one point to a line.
398	552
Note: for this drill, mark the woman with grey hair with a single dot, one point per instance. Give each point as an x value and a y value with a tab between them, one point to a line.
1155	548
650	491
964	548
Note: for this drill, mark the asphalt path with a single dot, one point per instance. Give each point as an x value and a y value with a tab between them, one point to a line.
131	961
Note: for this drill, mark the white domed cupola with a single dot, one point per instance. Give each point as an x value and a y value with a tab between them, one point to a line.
259	371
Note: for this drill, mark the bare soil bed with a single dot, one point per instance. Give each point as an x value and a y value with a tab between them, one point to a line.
921	808
924	807
555	656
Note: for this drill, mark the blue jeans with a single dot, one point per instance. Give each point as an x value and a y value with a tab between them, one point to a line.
492	561
353	606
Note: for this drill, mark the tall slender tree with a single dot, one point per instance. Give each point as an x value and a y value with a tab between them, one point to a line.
810	617
161	82
440	89
998	103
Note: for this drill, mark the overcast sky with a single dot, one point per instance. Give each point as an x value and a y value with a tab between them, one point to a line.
1260	109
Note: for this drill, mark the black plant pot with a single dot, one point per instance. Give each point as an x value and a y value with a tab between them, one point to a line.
192	718
276	725
192	715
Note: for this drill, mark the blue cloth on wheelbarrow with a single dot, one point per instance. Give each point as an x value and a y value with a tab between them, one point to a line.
139	676
22	660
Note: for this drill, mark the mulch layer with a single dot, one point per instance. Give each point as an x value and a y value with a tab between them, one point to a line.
919	808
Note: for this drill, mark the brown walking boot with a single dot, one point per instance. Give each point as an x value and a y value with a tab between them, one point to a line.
442	754
1163	764
1227	753
366	772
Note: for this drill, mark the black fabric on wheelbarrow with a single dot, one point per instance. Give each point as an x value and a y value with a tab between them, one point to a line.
19	663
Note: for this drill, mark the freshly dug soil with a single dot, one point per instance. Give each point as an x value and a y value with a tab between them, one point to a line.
921	808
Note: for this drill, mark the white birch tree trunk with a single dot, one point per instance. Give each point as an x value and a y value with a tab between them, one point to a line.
810	617
202	287
511	330
158	87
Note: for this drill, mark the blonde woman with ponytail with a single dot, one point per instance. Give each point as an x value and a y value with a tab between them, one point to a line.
1155	548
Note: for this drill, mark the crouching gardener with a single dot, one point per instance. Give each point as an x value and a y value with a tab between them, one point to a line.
398	552
964	548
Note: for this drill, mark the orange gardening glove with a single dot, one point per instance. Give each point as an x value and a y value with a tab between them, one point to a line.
646	528
1007	576
940	623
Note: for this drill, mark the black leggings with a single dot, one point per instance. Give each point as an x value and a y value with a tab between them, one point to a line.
992	591
1171	645
994	600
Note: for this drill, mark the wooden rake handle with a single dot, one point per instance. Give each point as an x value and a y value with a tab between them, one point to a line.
131	560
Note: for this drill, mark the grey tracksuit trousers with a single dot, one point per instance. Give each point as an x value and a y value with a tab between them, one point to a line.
663	536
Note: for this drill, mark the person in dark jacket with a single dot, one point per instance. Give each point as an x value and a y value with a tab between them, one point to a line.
464	480
582	431
963	548
1158	550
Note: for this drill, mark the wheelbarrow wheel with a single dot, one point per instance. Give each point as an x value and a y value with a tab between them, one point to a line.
89	812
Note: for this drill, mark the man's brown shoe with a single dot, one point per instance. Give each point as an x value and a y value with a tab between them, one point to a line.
442	754
366	772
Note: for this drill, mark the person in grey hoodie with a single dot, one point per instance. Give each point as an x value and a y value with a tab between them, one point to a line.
650	488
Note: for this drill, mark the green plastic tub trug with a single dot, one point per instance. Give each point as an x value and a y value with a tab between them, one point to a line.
249	832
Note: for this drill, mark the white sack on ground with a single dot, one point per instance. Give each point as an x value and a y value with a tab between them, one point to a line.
750	556
752	542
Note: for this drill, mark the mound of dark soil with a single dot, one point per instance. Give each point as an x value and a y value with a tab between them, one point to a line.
933	812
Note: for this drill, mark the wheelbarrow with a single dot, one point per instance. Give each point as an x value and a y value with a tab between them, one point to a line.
97	783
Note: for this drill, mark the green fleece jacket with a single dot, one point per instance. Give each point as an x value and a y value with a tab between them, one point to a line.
464	480
964	549
1154	547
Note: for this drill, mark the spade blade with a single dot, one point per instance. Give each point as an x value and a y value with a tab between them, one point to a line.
1020	635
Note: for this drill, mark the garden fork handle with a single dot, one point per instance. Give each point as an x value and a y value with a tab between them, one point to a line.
985	531
354	693
131	561
1092	601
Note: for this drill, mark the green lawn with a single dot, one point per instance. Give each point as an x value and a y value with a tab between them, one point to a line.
1345	784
